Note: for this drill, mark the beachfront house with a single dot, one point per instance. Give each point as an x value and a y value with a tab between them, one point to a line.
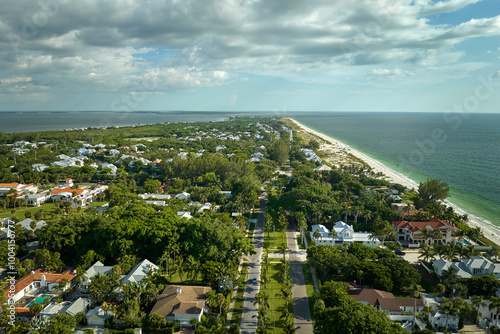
343	234
467	268
413	232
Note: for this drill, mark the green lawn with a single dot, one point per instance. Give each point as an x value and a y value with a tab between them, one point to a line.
309	286
238	302
98	203
275	239
48	208
276	304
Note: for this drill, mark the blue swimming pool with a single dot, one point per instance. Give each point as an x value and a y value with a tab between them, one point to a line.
39	299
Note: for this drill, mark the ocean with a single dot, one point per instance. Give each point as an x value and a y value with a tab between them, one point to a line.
41	121
460	149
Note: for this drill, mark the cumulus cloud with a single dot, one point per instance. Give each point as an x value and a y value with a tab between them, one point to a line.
109	45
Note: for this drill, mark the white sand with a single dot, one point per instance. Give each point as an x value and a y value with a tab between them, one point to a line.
490	231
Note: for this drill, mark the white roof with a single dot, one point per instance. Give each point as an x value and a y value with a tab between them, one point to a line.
139	271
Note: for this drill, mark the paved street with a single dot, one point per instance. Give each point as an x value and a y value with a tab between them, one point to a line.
248	321
300	302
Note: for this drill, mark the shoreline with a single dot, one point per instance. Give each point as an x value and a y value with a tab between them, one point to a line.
490	232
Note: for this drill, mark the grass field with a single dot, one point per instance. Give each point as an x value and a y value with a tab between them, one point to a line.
250	231
48	208
276	304
274	241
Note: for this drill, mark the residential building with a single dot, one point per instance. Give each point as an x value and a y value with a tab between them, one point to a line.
97	316
139	271
66	194
344	235
467	268
37	199
412	231
181	303
39	279
97	268
386	302
20	189
182	195
79	305
436	318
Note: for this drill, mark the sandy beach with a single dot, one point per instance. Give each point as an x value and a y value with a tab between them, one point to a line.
340	149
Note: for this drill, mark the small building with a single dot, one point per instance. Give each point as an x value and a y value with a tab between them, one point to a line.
181	303
184	214
97	316
37	199
79	305
182	195
139	271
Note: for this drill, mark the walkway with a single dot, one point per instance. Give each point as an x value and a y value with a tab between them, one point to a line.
249	316
300	302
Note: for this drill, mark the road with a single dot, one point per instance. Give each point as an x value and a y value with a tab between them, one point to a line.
302	314
248	321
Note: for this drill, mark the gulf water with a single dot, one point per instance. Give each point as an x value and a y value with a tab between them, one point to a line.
460	149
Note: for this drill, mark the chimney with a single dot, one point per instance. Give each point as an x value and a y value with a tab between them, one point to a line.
178	290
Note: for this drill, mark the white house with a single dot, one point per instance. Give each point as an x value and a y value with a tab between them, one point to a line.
181	303
344	235
37	199
466	268
66	194
436	318
139	271
97	268
97	316
182	195
184	214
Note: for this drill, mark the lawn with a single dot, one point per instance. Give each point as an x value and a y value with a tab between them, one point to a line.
276	303
275	239
309	286
48	208
238	301
299	242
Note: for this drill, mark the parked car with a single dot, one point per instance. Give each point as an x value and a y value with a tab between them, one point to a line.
254	279
399	252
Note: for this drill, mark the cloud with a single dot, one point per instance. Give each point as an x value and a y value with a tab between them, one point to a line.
9	81
102	45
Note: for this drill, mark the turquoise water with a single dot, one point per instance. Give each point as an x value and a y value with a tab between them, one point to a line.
39	299
462	150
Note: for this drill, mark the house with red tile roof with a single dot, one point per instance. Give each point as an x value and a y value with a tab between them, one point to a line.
67	194
413	232
19	187
38	279
385	301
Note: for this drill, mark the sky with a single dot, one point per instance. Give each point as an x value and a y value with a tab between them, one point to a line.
250	55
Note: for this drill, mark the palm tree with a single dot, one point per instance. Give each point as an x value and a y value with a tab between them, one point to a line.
415	292
477	302
302	228
446	307
494	304
332	234
317	235
427	252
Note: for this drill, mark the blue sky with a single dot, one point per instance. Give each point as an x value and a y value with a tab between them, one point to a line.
250	55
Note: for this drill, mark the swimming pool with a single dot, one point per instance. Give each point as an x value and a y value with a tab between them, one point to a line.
39	299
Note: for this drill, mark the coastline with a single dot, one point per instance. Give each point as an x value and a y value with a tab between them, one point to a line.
490	231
